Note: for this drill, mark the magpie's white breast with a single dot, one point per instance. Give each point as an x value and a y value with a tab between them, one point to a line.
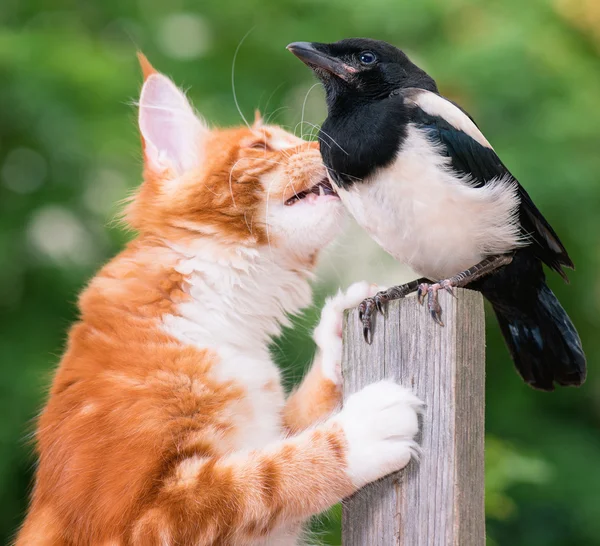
430	217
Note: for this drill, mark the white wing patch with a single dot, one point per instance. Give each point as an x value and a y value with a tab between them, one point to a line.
434	105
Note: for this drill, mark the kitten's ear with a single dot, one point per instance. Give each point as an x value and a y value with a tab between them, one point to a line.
147	68
258	120
171	132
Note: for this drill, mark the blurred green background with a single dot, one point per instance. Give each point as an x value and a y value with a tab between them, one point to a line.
529	72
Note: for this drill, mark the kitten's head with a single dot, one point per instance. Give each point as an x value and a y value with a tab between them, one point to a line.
255	186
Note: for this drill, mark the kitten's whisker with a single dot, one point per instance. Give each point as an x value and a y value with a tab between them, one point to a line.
303	109
329	169
313	127
312	131
329	137
231	177
290	183
237	49
248	225
326	144
272	114
309	123
270	97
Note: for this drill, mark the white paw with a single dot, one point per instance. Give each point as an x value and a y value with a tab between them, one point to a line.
328	333
380	423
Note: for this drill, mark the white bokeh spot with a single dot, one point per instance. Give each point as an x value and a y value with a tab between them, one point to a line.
58	235
24	170
105	188
185	36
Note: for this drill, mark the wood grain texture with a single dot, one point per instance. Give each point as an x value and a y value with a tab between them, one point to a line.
438	501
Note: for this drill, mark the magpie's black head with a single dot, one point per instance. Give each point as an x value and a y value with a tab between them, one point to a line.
361	67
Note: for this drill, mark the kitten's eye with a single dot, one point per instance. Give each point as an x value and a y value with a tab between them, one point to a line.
367	57
259	146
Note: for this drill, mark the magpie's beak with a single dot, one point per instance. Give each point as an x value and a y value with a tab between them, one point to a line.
315	59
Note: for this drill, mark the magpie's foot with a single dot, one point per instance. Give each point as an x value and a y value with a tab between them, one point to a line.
460	280
365	314
431	291
366	310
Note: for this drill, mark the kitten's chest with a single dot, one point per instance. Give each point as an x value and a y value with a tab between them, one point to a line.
256	417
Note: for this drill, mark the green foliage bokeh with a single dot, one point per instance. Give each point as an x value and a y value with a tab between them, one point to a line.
529	72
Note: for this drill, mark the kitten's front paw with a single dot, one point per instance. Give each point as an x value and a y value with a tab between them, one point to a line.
328	333
380	423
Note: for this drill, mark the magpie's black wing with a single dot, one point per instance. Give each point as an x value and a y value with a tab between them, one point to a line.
470	153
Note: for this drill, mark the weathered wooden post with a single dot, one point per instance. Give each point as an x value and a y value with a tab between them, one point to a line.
439	500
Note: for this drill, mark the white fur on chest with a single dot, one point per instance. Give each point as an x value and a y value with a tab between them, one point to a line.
238	300
258	419
428	218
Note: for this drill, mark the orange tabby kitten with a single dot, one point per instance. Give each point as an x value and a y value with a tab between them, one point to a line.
167	422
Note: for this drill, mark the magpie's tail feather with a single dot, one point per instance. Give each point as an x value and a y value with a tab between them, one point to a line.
543	342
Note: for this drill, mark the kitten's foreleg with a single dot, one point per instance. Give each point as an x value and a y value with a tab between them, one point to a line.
319	394
246	495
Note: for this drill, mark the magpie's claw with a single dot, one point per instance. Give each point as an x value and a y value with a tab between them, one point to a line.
433	304
436	318
422	292
365	315
447	285
436	315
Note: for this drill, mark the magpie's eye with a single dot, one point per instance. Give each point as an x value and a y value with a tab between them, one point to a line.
367	57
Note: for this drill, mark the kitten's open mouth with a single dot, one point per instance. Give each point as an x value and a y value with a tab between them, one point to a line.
322	189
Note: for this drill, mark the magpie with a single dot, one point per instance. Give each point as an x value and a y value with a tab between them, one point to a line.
416	172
